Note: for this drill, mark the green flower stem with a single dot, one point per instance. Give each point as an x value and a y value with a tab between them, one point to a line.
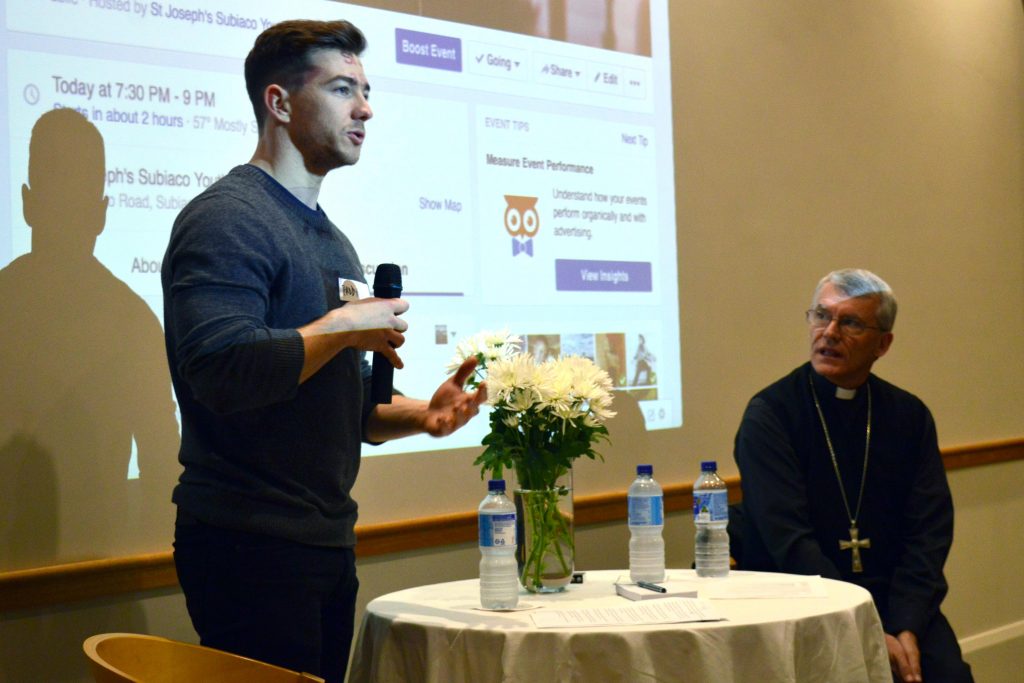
550	537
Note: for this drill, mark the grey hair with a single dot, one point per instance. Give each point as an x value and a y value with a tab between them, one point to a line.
856	282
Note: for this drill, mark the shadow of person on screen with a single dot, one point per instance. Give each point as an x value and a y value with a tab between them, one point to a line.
84	377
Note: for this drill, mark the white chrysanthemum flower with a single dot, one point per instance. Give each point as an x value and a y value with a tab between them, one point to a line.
585	389
559	404
554	392
554	380
600	410
506	375
488	346
568	385
521	399
541	404
569	410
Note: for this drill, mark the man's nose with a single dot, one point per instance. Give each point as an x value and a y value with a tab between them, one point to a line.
363	111
832	329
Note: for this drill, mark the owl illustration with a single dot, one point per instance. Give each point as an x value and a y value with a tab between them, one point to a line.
521	218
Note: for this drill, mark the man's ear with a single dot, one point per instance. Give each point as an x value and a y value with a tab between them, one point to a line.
277	103
883	344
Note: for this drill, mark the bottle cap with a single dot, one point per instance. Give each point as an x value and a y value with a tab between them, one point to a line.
708	466
495	485
645	469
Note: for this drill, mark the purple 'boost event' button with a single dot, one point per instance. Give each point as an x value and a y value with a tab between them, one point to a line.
602	276
427	49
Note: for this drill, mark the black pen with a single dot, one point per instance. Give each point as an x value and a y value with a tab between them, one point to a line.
652	587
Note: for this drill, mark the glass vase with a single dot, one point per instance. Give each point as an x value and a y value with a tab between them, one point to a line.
546	549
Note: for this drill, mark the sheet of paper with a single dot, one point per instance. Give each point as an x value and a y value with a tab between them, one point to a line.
667	611
766	586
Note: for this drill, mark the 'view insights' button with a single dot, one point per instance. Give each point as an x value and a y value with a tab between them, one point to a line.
427	49
602	276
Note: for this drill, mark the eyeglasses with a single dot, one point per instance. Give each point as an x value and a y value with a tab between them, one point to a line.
820	318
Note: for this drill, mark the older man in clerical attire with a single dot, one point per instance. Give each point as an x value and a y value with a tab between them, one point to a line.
842	477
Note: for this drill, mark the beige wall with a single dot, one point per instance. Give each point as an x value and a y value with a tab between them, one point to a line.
810	135
985	603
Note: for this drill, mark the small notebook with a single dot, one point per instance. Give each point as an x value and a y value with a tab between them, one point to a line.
673	589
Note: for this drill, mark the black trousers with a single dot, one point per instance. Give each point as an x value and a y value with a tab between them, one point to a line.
269	599
941	659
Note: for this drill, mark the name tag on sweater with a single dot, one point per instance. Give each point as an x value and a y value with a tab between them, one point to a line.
352	290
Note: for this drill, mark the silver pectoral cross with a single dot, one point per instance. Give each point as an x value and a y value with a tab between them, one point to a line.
855	544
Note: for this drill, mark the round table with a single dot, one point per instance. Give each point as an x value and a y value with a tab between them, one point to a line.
437	633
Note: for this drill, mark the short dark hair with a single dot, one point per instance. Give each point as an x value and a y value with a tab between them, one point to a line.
281	54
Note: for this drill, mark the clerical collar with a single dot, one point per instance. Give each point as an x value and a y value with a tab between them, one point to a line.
845	394
826	388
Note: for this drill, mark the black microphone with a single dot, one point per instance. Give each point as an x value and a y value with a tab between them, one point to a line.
387	284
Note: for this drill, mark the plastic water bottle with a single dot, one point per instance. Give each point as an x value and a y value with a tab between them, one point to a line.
499	575
711	517
646	520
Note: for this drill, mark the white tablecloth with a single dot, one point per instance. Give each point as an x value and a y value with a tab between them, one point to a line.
437	634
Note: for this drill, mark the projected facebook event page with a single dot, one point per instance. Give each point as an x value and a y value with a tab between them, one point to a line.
520	182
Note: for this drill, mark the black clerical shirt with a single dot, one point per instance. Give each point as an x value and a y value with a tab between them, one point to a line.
794	514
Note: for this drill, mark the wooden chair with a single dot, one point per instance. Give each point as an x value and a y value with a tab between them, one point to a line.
133	658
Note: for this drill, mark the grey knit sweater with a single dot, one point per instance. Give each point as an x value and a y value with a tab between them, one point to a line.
246	265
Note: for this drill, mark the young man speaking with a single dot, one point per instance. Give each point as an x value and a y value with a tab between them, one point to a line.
267	322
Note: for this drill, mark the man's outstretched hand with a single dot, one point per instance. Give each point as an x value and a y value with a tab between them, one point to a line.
448	410
452	406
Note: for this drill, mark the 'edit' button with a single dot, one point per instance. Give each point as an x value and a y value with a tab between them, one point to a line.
427	49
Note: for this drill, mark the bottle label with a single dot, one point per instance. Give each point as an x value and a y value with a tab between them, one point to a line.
646	511
710	506
497	530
